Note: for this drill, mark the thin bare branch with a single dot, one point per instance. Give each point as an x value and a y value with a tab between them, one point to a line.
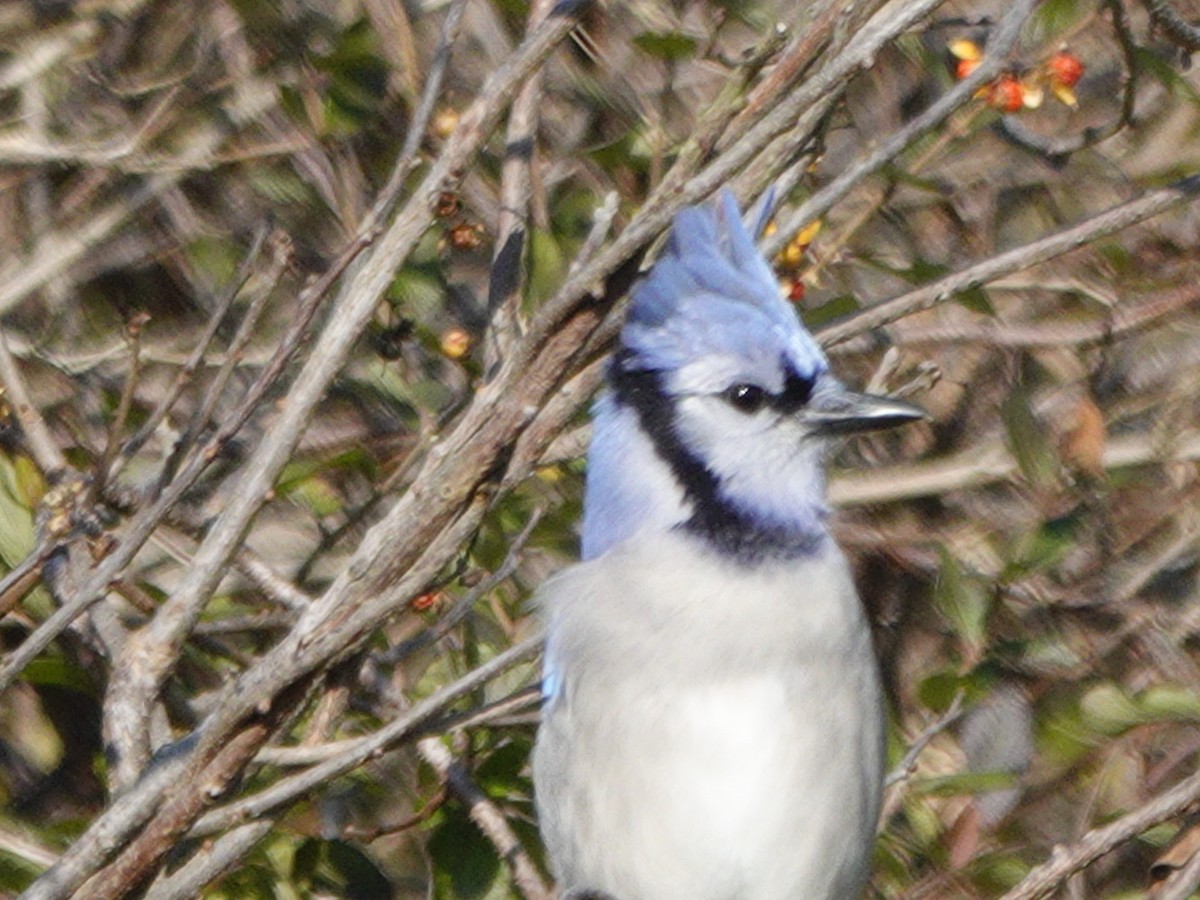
37	434
280	258
22	579
677	191
512	228
487	818
408	158
1127	318
151	652
1180	884
1173	25
462	607
133	332
288	790
1065	861
908	763
988	464
1000	45
1150	204
185	373
56	251
213	859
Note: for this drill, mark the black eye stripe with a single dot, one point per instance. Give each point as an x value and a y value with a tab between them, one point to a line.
797	391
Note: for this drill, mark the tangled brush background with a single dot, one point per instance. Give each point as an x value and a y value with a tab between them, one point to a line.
303	304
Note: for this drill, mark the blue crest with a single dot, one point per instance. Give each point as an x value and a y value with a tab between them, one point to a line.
712	297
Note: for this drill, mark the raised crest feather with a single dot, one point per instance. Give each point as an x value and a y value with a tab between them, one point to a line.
711	292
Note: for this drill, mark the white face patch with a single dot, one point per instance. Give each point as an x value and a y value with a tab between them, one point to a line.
764	463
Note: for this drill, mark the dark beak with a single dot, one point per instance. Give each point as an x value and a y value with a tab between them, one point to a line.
847	412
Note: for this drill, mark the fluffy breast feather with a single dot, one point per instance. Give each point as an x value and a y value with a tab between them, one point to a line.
740	720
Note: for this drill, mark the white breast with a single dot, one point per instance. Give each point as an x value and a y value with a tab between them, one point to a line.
716	737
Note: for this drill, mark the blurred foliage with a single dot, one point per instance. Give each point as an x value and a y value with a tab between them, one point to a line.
1055	600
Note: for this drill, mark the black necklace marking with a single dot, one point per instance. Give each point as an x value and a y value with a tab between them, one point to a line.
713	517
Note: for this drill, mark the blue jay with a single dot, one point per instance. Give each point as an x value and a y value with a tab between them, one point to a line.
712	723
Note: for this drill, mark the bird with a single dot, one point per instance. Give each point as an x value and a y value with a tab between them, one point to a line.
712	722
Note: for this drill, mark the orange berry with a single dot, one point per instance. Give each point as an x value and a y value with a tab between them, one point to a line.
444	122
455	343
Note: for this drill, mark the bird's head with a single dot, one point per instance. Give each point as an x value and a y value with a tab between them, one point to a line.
719	402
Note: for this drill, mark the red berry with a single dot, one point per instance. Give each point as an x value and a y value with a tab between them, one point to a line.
796	291
965	67
1007	94
425	602
466	236
1065	68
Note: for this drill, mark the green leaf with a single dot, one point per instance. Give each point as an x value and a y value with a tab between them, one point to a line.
56	671
279	185
1108	709
1160	835
1046	545
354	873
919	271
1056	17
250	882
1063	737
1169	702
337	868
547	265
667	45
306	861
830	310
996	873
963	601
465	865
16	518
219	257
418	294
1028	441
937	691
976	300
964	783
16	873
28	484
501	775
21	483
1048	653
1165	72
616	153
358	80
317	494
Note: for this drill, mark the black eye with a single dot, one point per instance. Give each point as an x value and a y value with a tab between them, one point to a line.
747	398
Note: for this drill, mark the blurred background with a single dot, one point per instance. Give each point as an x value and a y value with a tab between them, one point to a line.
192	197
